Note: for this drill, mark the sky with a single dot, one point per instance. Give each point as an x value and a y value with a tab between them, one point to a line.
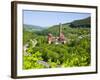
49	18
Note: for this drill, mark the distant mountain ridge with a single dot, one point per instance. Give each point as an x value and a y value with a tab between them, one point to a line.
28	27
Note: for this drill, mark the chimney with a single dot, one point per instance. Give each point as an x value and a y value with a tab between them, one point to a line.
60	29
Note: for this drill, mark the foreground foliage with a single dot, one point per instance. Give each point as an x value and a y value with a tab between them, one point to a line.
76	52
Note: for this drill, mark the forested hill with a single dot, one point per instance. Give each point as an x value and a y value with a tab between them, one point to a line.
81	23
67	27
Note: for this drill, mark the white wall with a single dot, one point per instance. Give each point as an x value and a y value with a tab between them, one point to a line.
5	40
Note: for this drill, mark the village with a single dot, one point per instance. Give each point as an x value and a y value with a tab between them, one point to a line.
59	39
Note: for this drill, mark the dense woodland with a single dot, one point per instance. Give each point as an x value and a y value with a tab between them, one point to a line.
39	54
